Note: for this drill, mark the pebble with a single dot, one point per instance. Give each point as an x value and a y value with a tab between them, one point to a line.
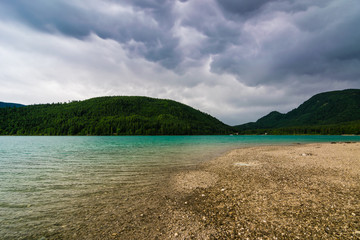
306	154
185	203
176	234
223	189
114	234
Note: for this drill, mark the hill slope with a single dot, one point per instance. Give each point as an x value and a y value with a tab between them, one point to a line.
110	116
4	105
335	110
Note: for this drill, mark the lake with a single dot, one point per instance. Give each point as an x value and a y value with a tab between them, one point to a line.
53	185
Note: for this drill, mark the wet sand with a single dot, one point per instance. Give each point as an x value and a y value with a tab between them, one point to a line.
271	192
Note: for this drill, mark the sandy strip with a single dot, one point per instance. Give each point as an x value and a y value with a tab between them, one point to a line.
273	192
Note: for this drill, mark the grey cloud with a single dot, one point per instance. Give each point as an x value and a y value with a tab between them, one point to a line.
318	45
329	53
333	52
47	15
149	24
245	9
212	52
208	20
242	6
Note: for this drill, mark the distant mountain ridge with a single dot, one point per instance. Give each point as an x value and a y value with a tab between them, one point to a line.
119	115
328	109
336	112
4	105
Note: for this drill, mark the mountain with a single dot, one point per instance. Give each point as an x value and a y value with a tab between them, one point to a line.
110	116
335	112
4	105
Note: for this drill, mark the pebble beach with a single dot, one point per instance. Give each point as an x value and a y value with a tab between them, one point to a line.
307	191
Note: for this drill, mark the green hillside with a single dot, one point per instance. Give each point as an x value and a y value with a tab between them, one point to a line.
4	105
336	112
110	116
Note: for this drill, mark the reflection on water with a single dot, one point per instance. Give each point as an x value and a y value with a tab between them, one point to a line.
59	183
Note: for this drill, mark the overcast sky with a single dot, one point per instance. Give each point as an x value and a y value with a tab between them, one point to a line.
234	59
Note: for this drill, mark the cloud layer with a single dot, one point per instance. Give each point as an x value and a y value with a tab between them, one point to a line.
235	59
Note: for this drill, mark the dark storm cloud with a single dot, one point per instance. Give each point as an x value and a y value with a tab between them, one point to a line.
48	15
319	41
207	20
236	59
309	38
146	23
242	6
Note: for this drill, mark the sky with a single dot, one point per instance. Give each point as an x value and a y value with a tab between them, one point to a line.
237	60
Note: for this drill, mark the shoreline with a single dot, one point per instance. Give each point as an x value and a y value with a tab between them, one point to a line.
286	191
296	191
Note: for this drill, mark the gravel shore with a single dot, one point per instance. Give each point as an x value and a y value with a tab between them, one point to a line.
273	192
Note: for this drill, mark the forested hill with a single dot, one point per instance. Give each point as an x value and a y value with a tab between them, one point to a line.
4	105
110	116
336	112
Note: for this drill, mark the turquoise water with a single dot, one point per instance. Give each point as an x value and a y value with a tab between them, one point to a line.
45	178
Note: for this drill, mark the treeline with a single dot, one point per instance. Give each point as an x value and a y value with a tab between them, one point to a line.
4	105
333	129
328	113
110	116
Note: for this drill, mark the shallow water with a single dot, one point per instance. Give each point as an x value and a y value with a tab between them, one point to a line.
44	180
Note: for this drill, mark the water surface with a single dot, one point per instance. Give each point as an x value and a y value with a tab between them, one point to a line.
44	180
